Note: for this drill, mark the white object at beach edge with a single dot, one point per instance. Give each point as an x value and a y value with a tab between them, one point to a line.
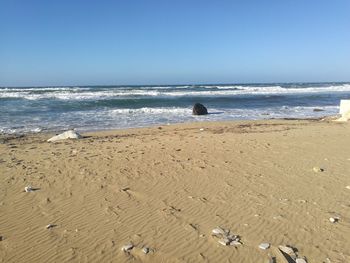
71	134
344	110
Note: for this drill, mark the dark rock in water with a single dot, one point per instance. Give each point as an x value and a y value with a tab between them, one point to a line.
316	109
199	109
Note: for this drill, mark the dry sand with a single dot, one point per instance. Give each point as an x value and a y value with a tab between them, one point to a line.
167	188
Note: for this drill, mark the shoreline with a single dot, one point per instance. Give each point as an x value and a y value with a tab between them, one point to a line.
83	131
167	188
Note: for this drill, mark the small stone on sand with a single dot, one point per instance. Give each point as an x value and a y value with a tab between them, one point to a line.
318	169
277	217
49	226
127	247
226	237
300	260
333	219
264	245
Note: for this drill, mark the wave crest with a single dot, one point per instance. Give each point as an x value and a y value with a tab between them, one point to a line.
91	93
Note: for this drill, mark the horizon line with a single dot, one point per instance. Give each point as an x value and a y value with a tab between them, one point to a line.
183	84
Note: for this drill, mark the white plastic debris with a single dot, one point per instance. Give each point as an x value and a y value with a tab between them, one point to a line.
344	106
344	110
49	226
71	134
201	129
264	246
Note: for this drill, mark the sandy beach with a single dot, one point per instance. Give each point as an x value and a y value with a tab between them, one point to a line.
166	188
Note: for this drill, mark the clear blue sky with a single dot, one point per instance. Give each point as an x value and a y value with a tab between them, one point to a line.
71	42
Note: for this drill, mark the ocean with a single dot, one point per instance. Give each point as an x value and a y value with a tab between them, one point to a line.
89	108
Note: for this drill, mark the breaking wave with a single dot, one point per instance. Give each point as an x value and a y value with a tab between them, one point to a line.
92	93
35	109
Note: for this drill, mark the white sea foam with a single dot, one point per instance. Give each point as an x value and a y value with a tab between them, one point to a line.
40	89
67	95
147	110
6	130
145	116
76	93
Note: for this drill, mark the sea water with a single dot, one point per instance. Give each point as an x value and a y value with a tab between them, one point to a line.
87	108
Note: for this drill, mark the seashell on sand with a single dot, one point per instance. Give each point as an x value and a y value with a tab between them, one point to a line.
288	250
224	241
146	250
232	237
219	231
235	243
28	189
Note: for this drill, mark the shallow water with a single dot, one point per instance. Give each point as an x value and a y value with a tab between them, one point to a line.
33	109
